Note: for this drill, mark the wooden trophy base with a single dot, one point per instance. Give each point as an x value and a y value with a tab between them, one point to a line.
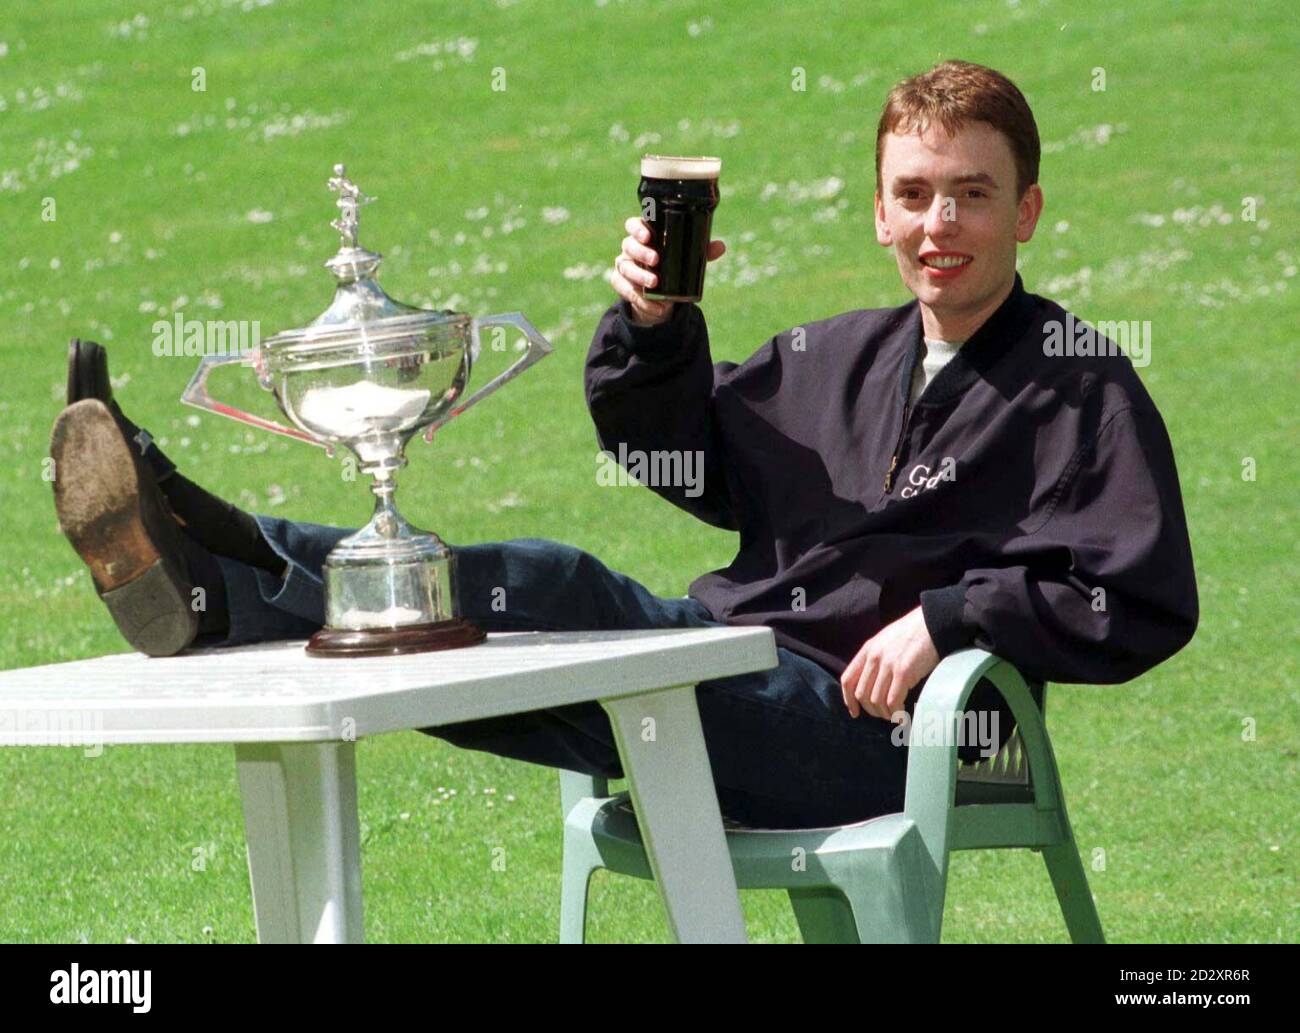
414	638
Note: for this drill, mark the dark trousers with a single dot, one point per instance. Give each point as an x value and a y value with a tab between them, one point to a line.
784	751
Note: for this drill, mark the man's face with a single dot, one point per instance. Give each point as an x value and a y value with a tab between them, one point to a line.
950	212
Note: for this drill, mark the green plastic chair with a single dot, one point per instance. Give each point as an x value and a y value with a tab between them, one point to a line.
881	880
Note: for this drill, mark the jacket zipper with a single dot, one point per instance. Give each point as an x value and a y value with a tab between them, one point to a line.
898	447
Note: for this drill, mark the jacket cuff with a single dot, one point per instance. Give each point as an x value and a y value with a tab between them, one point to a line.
944	613
662	341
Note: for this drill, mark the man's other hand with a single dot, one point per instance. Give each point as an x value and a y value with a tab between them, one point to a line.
888	666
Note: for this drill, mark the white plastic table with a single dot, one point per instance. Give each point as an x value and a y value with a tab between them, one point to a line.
295	719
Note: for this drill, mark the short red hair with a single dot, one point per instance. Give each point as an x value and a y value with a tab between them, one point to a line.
955	93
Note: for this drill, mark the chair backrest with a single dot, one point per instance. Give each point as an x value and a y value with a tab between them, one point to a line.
1006	772
1009	766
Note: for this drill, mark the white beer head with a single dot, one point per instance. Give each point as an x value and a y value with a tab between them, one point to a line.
659	166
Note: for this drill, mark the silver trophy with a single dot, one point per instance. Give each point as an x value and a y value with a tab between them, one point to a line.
369	373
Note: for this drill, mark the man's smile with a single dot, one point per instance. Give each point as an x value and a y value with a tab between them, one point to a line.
944	265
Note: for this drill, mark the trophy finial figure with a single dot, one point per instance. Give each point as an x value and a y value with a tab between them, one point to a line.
350	199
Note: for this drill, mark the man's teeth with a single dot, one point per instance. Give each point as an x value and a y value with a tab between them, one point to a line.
945	261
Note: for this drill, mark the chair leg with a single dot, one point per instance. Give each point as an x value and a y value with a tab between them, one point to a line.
579	861
824	915
890	914
897	895
1071	885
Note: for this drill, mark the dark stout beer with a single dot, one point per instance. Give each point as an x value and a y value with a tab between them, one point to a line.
677	198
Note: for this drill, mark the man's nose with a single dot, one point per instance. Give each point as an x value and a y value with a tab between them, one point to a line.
936	225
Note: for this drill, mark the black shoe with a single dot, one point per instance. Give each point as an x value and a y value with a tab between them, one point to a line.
111	510
88	378
219	527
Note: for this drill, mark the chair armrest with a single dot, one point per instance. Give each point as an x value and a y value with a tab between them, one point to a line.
932	766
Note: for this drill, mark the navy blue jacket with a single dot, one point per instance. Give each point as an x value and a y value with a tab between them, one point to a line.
1028	502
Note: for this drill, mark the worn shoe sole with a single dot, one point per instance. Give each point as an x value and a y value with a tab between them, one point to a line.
118	527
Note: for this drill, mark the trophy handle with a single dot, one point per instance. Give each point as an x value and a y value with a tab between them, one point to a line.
196	394
538	348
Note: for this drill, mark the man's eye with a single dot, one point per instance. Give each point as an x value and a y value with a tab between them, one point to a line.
974	192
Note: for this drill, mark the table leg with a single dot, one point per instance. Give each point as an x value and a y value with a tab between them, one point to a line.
304	842
667	766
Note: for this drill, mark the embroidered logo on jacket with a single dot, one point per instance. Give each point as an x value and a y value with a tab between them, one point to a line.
920	478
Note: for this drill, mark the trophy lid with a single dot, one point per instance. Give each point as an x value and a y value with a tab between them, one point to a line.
362	317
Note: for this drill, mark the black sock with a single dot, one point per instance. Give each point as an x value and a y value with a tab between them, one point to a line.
141	442
214	523
219	526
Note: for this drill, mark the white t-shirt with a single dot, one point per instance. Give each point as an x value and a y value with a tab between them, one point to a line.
936	356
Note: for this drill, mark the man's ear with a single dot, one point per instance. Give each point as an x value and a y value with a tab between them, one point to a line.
883	235
1031	207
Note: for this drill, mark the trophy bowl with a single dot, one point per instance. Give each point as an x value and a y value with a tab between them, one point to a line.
368	374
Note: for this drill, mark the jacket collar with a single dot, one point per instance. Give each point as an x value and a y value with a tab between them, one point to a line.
996	336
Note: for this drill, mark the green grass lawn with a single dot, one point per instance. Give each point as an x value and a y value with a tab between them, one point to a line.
214	203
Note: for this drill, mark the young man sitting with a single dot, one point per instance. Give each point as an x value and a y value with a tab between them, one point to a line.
905	482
